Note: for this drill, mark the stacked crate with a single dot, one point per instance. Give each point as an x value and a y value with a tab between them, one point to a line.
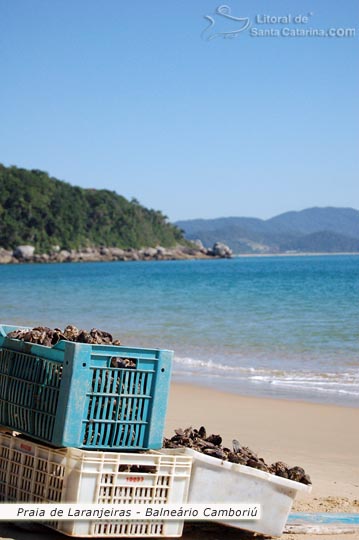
88	411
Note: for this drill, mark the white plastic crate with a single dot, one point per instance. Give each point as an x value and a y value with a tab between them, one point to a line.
31	472
216	481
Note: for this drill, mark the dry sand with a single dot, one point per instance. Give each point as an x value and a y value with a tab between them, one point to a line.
324	439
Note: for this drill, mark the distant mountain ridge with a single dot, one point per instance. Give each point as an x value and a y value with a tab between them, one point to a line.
313	230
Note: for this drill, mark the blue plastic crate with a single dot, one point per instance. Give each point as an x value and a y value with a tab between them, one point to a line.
71	395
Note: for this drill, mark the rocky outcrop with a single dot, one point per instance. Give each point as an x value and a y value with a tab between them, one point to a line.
6	256
24	252
93	254
221	250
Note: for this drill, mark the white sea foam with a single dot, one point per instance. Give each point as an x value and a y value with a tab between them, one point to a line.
210	365
292	382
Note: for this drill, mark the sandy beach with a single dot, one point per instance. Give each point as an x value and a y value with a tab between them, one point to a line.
324	439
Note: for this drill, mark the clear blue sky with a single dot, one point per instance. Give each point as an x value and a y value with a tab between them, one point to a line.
131	97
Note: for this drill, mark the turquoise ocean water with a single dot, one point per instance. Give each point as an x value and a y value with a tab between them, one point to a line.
270	326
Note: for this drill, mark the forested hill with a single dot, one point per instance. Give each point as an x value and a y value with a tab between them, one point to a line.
42	211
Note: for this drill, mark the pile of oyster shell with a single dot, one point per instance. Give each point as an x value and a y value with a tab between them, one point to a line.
48	337
212	446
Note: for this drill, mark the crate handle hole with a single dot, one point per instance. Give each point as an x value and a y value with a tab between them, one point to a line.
162	369
84	364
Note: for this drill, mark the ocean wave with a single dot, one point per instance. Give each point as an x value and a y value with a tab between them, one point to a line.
320	388
301	382
305	381
211	365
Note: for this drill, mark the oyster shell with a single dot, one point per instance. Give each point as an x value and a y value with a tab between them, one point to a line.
242	455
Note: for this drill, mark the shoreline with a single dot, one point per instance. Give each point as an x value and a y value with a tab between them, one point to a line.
146	254
26	254
259	396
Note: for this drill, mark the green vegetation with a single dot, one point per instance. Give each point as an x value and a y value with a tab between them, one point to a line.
43	212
